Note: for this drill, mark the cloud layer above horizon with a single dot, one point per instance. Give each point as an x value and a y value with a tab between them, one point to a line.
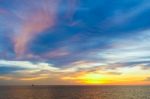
74	42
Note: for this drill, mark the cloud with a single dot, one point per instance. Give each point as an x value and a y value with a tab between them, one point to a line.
130	49
35	22
114	73
27	65
35	78
5	78
57	53
120	17
38	18
147	79
2	11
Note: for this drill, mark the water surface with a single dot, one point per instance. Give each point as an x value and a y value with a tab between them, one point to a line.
75	92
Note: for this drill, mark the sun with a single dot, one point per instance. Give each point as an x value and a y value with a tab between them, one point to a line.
88	78
92	78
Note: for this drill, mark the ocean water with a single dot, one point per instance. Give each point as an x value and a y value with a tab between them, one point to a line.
75	92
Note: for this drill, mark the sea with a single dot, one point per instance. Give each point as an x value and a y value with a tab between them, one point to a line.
74	92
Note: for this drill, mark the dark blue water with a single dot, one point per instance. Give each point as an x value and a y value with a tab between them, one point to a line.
75	92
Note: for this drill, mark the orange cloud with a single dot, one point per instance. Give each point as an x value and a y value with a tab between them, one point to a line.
121	76
5	78
34	78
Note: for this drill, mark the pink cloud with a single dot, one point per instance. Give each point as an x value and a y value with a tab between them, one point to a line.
3	11
33	25
57	53
37	20
37	23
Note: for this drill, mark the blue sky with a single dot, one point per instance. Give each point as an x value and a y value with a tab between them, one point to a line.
54	39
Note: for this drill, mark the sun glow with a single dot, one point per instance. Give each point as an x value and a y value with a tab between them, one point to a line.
92	78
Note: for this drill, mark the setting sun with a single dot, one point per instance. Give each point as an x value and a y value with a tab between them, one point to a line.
92	78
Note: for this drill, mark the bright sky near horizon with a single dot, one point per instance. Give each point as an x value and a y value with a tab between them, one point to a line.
74	42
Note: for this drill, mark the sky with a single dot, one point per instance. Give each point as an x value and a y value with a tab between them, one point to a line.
74	42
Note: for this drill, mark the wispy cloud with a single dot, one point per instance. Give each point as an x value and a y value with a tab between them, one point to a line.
27	65
35	21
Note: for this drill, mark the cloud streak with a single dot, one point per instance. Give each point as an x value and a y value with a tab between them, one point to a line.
35	22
